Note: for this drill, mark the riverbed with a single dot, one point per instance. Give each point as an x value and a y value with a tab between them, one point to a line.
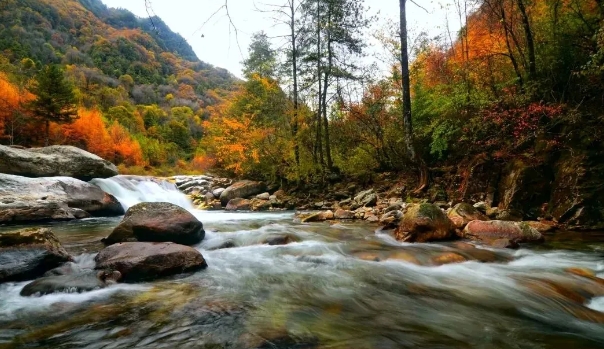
333	286
273	282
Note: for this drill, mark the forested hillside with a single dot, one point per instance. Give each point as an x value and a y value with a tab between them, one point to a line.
140	91
509	109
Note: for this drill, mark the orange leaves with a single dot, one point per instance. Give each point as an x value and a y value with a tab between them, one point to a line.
114	143
126	150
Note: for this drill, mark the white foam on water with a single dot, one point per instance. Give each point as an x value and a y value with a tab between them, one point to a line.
12	302
597	304
132	190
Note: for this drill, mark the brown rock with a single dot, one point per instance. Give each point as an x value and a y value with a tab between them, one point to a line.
239	205
319	217
464	213
448	258
138	261
158	222
543	226
494	230
343	214
423	223
242	189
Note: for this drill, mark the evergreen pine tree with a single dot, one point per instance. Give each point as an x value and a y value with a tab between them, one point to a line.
55	99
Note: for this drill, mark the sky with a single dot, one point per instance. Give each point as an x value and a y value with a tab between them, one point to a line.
215	41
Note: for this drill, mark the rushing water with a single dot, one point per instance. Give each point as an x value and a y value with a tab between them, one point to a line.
324	290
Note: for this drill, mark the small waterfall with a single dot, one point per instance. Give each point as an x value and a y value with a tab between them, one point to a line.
131	190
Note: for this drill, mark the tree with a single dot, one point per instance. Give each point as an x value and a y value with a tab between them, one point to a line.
55	99
406	83
262	57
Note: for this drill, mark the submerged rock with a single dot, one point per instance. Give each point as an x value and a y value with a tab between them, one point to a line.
490	231
242	189
57	160
29	253
25	199
158	222
140	261
423	223
79	282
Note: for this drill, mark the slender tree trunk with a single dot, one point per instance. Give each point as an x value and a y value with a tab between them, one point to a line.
408	127
528	33
47	123
319	135
325	86
295	78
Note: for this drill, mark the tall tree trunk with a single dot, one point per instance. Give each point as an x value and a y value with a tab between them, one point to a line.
319	135
509	47
408	127
530	43
326	75
295	78
47	123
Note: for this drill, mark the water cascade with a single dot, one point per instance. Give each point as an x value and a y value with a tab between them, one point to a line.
131	190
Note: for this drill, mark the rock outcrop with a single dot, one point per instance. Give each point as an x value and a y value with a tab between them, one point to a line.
25	199
157	222
142	261
29	253
58	160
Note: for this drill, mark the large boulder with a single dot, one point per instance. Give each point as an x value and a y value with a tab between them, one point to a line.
464	213
424	222
490	231
158	222
29	253
25	199
58	160
242	189
71	283
140	261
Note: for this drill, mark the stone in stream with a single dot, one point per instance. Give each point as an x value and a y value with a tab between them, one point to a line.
29	253
490	231
242	189
25	199
142	261
464	213
238	204
158	222
344	214
83	281
423	223
57	160
217	192
263	196
319	217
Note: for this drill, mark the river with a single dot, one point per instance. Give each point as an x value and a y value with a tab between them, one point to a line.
325	289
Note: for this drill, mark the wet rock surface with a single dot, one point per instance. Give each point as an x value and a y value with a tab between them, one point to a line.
140	261
29	253
158	222
25	199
